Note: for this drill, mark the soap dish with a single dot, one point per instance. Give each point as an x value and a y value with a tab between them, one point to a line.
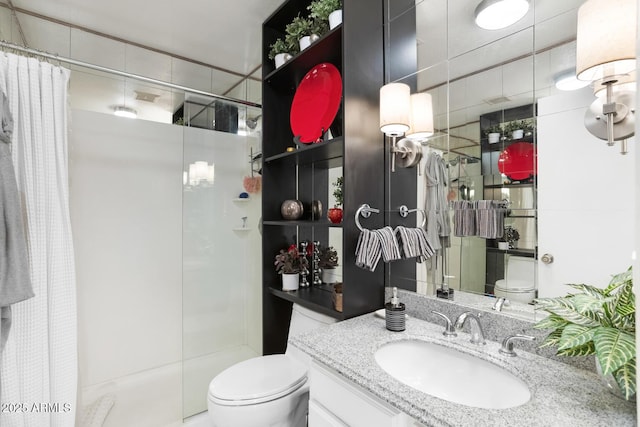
381	314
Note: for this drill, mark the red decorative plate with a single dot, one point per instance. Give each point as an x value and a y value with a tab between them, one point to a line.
316	102
518	161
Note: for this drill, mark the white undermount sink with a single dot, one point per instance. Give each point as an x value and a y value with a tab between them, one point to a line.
452	375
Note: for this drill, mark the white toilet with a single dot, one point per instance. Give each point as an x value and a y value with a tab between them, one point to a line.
268	390
518	284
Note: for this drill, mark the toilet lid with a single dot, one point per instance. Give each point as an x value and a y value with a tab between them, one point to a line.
515	285
257	380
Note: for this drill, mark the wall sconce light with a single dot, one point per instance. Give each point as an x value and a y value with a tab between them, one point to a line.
122	111
498	14
605	54
403	113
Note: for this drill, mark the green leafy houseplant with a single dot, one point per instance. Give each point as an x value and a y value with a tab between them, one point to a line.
337	192
596	321
289	261
321	9
297	29
493	129
279	46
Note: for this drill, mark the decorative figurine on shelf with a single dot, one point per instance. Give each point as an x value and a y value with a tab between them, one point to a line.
335	213
305	271
316	264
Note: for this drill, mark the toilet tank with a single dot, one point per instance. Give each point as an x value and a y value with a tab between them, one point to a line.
520	268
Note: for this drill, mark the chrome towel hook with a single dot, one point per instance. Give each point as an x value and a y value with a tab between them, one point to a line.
365	210
404	212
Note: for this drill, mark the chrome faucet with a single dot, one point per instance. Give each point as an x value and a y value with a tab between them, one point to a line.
507	343
477	334
449	330
500	302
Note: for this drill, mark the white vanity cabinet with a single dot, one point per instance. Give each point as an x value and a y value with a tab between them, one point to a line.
336	402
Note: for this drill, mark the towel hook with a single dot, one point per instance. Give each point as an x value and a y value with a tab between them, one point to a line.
365	210
404	212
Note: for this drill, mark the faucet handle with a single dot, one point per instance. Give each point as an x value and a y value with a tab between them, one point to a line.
449	330
501	302
507	343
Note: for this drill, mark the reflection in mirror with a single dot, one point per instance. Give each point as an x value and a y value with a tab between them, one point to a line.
480	81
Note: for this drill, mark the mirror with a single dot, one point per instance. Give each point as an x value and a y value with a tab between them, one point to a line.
478	79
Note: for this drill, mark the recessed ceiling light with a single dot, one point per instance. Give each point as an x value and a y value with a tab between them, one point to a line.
569	81
498	14
127	112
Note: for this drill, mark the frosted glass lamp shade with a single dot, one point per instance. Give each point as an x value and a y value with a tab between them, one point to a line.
606	39
395	108
421	123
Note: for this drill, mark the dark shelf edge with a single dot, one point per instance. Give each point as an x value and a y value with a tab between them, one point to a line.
316	298
530	253
286	223
331	149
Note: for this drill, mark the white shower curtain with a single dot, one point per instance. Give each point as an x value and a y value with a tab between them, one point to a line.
38	368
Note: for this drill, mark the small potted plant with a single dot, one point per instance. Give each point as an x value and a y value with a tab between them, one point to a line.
516	129
493	132
299	32
290	263
326	10
597	321
280	52
328	261
335	213
511	236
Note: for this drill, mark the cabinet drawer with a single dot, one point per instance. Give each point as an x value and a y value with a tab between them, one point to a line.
319	416
351	404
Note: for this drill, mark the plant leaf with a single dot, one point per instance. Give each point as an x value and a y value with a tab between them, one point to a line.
626	378
565	308
586	303
583	350
552	339
588	290
614	348
575	336
618	280
626	302
552	321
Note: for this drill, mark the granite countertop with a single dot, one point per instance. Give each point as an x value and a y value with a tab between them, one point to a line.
561	395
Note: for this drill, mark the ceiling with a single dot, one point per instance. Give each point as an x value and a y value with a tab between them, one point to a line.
218	32
212	45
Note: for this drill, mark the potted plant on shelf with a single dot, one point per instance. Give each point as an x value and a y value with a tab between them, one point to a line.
280	52
335	213
326	10
493	132
328	261
511	236
597	321
299	32
290	263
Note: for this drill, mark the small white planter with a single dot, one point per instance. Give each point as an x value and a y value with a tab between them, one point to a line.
494	137
305	42
335	18
517	134
290	282
503	245
329	275
281	58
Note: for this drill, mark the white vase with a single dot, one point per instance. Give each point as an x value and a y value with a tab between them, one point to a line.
281	58
494	137
329	275
305	42
335	18
503	245
290	282
517	134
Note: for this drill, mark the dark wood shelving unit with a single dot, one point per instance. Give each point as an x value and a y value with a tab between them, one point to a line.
356	48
